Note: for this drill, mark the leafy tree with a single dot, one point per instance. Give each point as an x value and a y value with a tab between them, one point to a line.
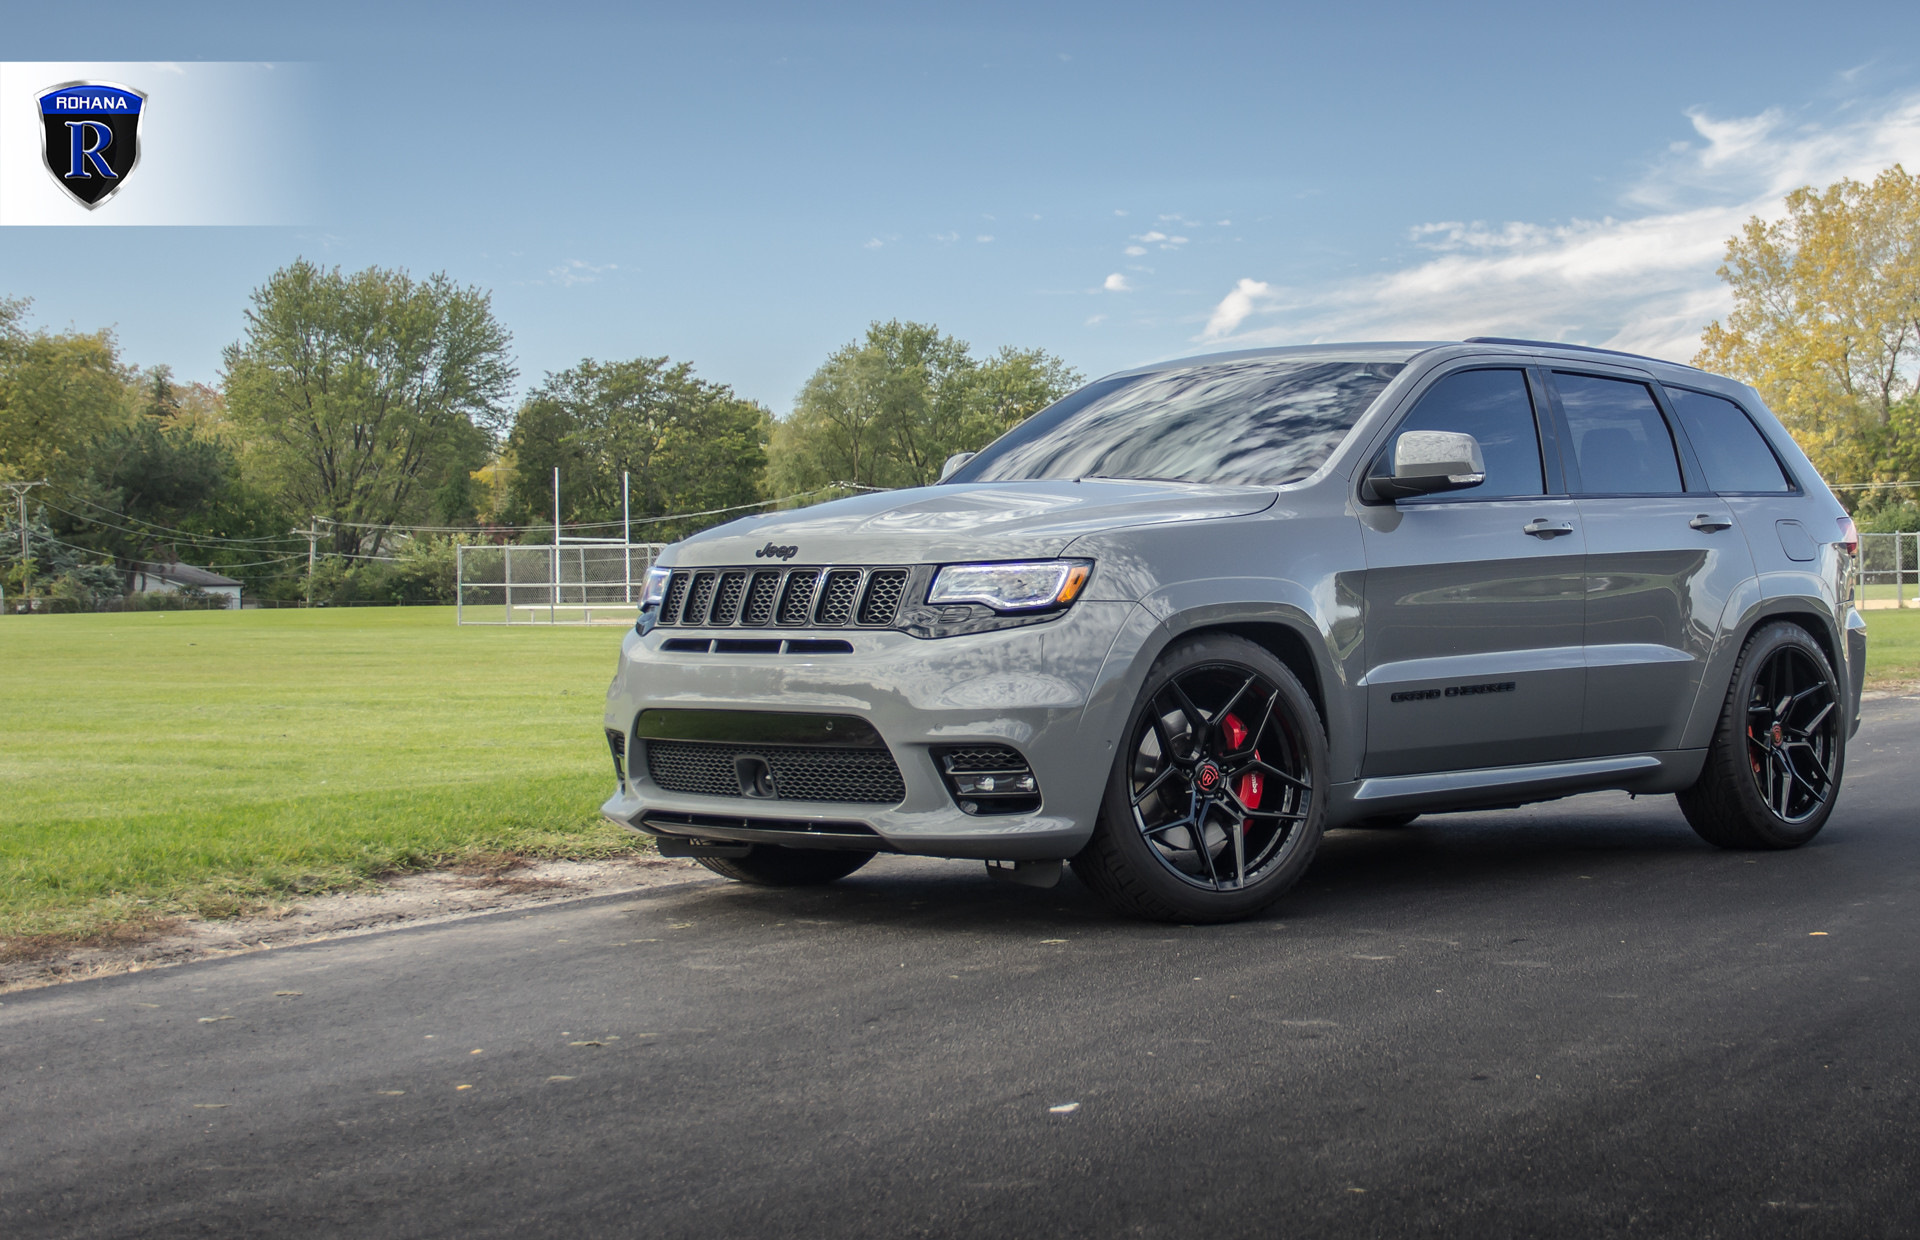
888	410
59	395
362	395
1826	323
688	444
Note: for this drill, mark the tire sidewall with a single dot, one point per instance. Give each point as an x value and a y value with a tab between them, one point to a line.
1116	812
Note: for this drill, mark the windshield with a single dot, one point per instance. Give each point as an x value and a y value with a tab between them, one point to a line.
1258	422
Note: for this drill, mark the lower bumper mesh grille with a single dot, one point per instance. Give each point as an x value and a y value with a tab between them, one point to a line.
800	773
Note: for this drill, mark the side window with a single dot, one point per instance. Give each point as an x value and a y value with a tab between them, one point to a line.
1732	452
1493	406
1619	438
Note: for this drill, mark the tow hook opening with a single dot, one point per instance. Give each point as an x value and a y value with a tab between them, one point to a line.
755	776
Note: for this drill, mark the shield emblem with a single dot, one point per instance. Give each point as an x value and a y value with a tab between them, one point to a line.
90	137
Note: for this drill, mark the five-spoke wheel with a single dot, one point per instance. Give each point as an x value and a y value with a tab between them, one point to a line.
1773	770
1216	799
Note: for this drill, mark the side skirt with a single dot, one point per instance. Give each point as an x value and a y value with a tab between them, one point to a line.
1504	786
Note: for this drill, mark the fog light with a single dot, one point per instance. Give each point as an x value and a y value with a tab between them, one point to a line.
988	779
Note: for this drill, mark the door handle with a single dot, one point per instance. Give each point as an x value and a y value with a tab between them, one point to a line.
1709	524
1540	527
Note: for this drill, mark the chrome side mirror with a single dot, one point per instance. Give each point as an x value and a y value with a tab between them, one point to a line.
954	462
1429	462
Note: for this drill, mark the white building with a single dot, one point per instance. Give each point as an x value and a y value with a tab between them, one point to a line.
164	578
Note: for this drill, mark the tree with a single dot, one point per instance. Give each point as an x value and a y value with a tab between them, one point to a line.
60	394
889	410
1826	323
363	395
688	444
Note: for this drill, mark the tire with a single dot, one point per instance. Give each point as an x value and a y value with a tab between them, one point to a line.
1774	766
1385	822
769	865
1249	835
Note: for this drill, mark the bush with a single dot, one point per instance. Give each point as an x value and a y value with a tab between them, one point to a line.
1890	519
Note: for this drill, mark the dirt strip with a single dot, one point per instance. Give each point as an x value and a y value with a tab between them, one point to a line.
409	900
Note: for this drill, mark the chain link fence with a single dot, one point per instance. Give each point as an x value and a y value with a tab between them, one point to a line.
1889	570
573	583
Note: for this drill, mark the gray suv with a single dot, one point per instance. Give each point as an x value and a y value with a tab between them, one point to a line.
1179	624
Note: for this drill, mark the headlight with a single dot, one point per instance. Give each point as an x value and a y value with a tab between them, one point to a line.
1030	586
657	579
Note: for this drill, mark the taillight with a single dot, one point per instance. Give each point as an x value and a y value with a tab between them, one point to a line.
1849	535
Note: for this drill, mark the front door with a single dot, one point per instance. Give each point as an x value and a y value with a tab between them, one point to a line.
1475	599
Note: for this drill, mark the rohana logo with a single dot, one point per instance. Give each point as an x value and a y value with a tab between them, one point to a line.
91	137
770	551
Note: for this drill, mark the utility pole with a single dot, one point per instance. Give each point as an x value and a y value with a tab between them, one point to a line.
20	490
626	528
312	535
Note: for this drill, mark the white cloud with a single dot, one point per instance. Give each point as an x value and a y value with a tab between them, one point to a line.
1096	320
1642	281
1117	283
1135	251
1236	306
1150	237
946	238
874	243
576	271
983	238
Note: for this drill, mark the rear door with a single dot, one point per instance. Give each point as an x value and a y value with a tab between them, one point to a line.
1663	558
1474	599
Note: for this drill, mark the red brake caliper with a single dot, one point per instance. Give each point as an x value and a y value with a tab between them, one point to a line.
1251	784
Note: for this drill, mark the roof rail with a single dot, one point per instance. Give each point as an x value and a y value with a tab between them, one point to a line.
1578	348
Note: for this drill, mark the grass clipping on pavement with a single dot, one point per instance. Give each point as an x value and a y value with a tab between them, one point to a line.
161	764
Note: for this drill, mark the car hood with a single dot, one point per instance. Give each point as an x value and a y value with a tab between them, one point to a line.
980	521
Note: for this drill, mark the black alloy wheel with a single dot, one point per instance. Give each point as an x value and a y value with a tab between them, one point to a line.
1215	805
1793	734
1773	771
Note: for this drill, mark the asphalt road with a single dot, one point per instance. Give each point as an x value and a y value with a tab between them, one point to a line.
1572	1020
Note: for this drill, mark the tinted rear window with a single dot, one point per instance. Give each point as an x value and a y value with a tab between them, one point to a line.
1731	450
1253	422
1619	438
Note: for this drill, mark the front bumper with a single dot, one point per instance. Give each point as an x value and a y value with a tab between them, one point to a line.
1026	687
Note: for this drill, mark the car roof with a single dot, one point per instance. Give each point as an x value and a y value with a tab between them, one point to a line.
1406	350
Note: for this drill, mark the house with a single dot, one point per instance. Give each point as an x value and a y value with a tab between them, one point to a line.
163	578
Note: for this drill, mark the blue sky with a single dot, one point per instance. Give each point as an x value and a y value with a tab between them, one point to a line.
745	186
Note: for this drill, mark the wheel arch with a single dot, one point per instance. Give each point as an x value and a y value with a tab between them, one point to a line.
1806	613
1284	629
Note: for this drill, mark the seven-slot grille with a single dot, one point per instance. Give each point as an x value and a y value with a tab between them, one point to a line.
790	598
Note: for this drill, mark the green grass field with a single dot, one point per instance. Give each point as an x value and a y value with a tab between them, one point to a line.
163	763
159	763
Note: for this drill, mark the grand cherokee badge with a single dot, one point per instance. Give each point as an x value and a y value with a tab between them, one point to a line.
90	137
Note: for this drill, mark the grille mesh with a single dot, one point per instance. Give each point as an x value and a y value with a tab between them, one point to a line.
760	599
797	604
676	597
800	773
792	598
836	601
699	599
726	604
971	758
882	599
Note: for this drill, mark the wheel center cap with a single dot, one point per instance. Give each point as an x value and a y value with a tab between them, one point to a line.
1208	777
1779	738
